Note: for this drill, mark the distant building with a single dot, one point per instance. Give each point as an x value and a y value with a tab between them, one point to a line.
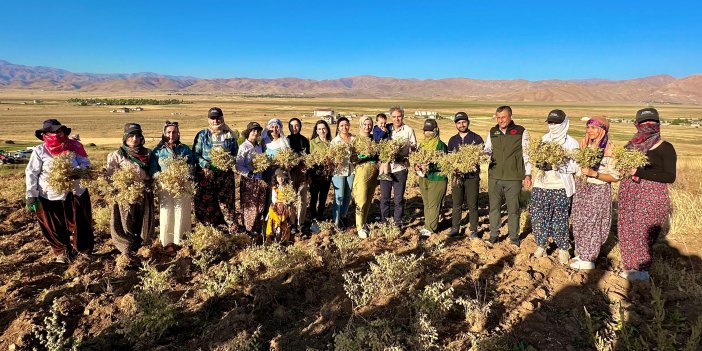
138	109
321	113
426	114
121	110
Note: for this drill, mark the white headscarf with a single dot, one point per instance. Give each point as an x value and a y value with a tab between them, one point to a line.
266	136
557	132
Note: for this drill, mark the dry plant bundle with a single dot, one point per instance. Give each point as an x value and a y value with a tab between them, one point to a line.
61	174
388	148
319	158
221	158
464	160
288	195
546	152
626	159
128	184
99	185
587	157
176	179
424	156
365	146
287	159
260	163
338	154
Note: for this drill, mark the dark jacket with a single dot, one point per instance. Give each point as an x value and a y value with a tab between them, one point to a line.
470	139
298	142
507	161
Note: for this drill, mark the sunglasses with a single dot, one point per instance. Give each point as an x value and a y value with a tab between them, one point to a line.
169	123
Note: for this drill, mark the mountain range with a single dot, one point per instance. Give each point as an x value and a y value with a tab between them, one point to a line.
653	89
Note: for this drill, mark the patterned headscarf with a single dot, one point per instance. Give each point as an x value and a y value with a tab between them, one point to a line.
647	135
602	136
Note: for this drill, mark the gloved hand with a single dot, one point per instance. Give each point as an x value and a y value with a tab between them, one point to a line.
32	203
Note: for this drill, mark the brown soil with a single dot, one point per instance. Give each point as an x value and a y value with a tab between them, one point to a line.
537	303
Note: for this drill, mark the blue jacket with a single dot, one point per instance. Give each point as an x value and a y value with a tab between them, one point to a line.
203	144
161	153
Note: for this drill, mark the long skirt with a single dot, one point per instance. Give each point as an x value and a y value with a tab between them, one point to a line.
175	217
214	198
592	218
549	210
67	224
253	200
365	181
131	225
643	210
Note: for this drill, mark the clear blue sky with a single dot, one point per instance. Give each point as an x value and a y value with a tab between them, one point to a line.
331	39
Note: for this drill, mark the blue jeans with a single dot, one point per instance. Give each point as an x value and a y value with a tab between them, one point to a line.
342	196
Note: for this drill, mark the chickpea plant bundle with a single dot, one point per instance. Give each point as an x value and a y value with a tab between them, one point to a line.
424	157
128	184
546	152
260	162
319	158
626	159
221	158
61	175
176	179
464	160
338	154
388	149
365	146
587	157
287	159
289	196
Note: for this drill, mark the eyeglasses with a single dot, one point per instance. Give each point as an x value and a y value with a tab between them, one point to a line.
169	123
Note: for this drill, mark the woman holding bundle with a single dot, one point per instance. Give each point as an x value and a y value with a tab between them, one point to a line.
320	180
214	187
132	224
592	202
644	203
252	186
174	209
431	184
365	178
342	180
553	190
65	218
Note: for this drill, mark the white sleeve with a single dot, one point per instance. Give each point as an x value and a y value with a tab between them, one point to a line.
487	147
525	146
32	174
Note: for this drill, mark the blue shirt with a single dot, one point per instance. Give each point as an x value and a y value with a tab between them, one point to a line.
379	134
161	153
204	142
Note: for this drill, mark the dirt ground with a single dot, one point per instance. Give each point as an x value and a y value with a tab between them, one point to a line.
536	303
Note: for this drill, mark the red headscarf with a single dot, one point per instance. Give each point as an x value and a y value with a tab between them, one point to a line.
57	145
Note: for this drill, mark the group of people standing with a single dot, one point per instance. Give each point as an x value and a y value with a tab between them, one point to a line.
557	198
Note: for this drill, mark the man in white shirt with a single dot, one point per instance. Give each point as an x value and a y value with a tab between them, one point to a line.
398	169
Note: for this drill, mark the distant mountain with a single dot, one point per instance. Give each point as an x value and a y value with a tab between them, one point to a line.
660	88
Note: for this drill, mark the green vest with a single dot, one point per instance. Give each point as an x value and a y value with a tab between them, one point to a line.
507	162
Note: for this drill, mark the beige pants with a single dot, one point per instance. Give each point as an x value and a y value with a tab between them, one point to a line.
175	217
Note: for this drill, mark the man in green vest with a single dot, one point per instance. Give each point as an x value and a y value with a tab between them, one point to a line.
509	170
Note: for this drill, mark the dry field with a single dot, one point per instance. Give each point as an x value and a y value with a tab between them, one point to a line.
333	291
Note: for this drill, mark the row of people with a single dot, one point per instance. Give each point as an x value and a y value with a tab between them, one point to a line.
643	201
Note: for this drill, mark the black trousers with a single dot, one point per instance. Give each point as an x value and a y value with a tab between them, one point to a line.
387	187
465	191
319	190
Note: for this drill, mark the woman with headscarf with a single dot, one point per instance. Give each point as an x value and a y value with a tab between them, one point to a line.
592	202
552	192
365	178
432	184
298	174
342	180
174	212
131	225
644	203
273	137
320	180
65	218
252	187
214	187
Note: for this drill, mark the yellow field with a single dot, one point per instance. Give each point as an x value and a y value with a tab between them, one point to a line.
96	124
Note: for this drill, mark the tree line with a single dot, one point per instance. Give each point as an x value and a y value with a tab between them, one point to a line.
128	101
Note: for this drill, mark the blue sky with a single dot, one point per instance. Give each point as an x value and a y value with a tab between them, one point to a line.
331	39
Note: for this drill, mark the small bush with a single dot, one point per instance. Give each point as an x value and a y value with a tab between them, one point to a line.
51	334
389	275
434	301
10	142
346	247
208	239
101	217
243	341
377	335
222	279
275	259
387	230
